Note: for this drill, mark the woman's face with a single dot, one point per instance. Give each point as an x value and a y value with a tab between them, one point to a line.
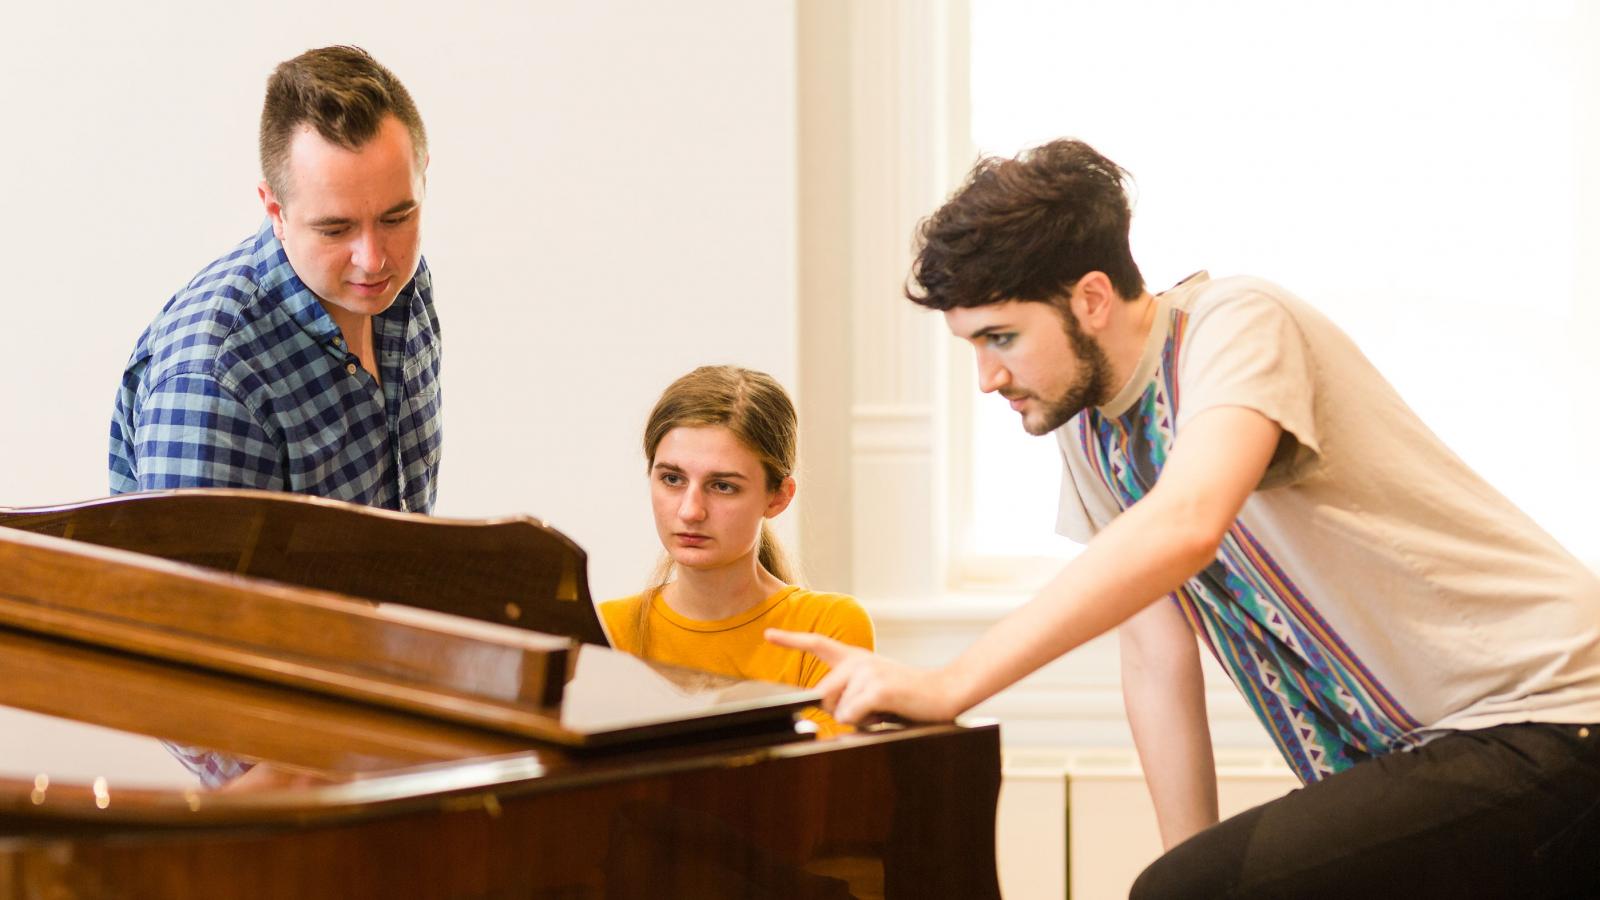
709	493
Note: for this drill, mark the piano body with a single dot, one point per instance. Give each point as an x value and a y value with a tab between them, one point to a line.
396	751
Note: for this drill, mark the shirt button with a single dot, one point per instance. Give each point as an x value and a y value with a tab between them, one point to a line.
351	368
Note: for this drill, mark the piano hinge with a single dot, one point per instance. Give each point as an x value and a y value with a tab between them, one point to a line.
488	803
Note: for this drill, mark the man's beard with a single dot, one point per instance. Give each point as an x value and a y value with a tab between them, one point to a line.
1091	388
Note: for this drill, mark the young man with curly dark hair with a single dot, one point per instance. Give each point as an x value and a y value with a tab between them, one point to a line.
1425	657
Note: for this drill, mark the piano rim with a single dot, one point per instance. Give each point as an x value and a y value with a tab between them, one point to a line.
445	787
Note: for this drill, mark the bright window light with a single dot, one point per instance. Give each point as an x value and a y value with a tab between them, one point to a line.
1412	169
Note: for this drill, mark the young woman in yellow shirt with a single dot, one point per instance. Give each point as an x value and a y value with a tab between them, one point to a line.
720	448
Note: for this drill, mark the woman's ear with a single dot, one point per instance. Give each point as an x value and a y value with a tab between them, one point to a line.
780	498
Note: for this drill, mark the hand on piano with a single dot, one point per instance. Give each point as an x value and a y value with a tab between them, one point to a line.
860	683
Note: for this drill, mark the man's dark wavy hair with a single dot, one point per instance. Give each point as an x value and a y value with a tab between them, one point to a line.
1027	229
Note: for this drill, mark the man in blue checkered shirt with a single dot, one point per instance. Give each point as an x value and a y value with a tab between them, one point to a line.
306	359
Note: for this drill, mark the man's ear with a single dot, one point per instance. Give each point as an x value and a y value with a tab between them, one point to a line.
1093	300
780	498
273	206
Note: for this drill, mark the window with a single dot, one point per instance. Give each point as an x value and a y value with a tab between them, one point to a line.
1419	171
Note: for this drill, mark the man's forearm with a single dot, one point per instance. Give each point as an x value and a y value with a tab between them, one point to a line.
1148	551
1145	553
1163	689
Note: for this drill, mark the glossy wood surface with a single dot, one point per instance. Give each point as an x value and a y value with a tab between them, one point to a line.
364	802
347	799
514	571
902	815
510	677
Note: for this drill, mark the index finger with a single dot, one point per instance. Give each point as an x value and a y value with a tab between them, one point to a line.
826	649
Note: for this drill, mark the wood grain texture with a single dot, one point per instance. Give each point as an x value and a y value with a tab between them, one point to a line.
348	799
399	805
908	815
514	571
309	639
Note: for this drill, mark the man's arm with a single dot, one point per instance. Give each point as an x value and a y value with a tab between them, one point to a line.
1163	689
192	433
1146	552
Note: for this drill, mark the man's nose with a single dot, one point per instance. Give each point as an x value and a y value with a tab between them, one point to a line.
367	254
991	375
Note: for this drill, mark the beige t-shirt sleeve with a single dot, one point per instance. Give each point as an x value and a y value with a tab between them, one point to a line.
1086	504
1244	347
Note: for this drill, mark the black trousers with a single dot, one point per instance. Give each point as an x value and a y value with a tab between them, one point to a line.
1510	811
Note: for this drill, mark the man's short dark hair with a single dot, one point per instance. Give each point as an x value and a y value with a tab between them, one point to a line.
1027	229
344	94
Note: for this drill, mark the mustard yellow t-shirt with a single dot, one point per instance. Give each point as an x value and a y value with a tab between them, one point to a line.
735	645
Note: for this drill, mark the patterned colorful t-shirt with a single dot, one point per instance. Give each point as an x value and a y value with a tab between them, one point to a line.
1374	590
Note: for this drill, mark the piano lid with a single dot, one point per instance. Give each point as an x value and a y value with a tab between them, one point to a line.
516	571
85	730
472	672
134	635
90	799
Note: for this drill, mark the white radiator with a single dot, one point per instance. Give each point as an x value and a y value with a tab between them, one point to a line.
1078	823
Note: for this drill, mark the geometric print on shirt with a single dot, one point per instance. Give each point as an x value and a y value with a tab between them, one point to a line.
244	380
1323	707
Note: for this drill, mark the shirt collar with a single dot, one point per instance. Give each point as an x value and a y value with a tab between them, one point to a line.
1154	343
278	281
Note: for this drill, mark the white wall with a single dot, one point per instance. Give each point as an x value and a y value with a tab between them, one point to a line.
611	202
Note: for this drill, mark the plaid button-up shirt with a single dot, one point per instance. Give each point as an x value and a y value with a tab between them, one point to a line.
244	380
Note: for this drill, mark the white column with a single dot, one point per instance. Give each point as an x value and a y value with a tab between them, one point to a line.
883	93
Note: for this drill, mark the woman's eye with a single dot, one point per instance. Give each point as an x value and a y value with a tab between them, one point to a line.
723	487
1001	340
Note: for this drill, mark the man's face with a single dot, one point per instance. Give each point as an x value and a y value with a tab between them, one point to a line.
351	222
1037	357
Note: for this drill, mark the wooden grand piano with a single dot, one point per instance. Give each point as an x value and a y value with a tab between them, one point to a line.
388	749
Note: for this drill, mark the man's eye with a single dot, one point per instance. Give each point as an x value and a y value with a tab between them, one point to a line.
723	487
397	220
330	232
671	480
